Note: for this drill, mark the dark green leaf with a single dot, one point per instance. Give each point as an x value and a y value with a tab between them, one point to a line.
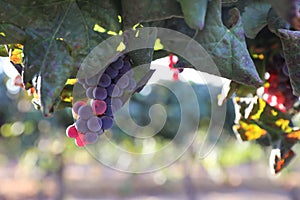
275	22
291	47
137	11
255	17
53	75
140	47
227	46
59	35
194	12
11	34
288	10
3	51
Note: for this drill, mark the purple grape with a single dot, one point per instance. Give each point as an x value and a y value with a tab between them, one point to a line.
126	67
99	107
108	101
130	73
94	124
77	105
91	137
109	111
117	64
89	92
100	93
113	90
92	81
116	104
132	85
85	112
107	122
81	125
104	81
111	72
123	82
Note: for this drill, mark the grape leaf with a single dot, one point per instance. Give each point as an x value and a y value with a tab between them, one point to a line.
280	158
288	10
291	46
194	12
275	22
137	11
259	121
248	130
140	48
11	34
58	36
253	23
227	46
3	51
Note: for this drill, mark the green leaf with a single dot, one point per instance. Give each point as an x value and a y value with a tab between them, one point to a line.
54	76
291	47
11	34
194	12
275	22
288	10
58	36
3	51
140	48
227	47
255	17
137	11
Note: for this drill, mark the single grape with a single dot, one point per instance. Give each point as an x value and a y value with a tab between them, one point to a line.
80	140
180	70
130	73
109	111
85	112
93	124
126	67
123	82
132	85
113	90
280	99
92	81
111	72
91	137
77	105
104	81
100	93
107	122
116	104
81	125
108	101
90	92
118	64
98	107
71	131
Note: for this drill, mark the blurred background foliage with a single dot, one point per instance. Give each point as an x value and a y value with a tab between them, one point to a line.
36	154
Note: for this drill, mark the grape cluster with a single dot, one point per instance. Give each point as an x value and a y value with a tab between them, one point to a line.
104	91
172	61
278	91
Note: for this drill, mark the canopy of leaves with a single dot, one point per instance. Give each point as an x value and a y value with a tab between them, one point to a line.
57	35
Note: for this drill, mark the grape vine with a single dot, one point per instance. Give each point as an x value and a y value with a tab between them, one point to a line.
47	43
